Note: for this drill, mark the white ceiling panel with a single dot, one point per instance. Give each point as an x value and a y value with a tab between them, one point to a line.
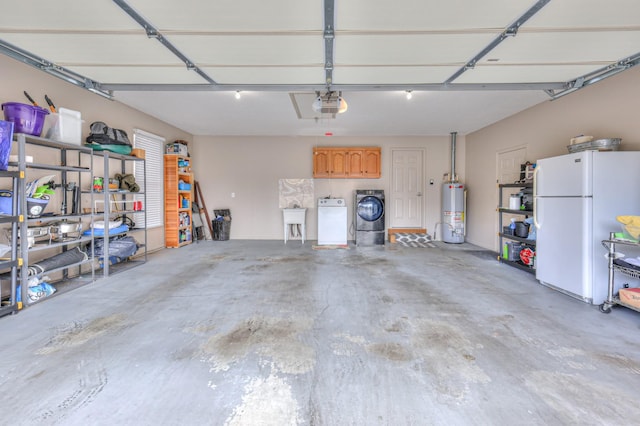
138	74
375	114
246	15
431	15
587	13
523	73
392	75
568	47
280	43
266	75
409	50
67	15
94	48
251	50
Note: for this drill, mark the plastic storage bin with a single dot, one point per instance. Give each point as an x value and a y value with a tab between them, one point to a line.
177	148
522	229
221	224
511	251
6	140
27	119
35	206
65	126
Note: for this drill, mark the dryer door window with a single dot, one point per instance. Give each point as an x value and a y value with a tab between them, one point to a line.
370	208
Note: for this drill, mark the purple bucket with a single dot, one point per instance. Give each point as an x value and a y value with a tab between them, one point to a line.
27	119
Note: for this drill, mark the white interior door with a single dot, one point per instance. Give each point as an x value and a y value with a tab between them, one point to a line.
407	189
509	161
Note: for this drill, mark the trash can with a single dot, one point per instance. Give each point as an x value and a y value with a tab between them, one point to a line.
221	224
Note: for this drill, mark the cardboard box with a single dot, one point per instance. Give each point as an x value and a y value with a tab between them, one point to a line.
630	296
138	152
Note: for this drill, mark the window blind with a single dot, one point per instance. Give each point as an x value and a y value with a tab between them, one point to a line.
153	183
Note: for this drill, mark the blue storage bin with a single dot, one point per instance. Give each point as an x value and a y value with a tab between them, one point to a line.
6	199
6	140
35	206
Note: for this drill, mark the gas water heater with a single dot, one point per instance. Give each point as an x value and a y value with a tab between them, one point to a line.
453	202
453	212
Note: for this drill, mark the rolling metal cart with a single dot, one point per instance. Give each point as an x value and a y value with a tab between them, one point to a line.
612	299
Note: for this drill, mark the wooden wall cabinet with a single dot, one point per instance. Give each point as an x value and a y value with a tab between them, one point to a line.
329	162
321	163
178	197
355	162
371	163
345	162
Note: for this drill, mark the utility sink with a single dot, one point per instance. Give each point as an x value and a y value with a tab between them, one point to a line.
294	217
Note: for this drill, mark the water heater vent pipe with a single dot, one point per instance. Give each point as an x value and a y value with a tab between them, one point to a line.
452	175
453	154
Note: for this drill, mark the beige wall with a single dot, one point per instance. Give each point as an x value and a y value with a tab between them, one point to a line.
251	167
16	77
610	108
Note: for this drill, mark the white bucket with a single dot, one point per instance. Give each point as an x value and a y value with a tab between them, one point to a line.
514	202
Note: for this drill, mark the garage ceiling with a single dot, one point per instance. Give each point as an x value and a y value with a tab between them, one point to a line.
467	63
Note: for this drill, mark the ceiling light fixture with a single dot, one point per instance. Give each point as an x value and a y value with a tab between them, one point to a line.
409	94
342	105
237	94
329	103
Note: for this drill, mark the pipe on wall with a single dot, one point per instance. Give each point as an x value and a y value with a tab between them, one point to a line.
452	177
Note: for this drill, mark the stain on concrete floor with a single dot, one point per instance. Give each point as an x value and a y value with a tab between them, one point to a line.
79	333
273	338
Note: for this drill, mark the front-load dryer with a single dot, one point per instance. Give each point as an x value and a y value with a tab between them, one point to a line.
369	215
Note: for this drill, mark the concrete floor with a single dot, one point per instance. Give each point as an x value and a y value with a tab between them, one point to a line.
259	333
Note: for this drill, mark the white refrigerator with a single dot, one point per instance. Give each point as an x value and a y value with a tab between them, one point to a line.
576	200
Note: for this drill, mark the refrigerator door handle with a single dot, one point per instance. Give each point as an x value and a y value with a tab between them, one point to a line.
535	190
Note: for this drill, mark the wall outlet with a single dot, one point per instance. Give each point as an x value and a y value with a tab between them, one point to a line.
233	195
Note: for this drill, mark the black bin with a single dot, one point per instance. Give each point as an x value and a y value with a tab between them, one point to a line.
522	229
221	224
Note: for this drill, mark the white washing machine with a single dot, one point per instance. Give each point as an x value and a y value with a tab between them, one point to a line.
332	221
